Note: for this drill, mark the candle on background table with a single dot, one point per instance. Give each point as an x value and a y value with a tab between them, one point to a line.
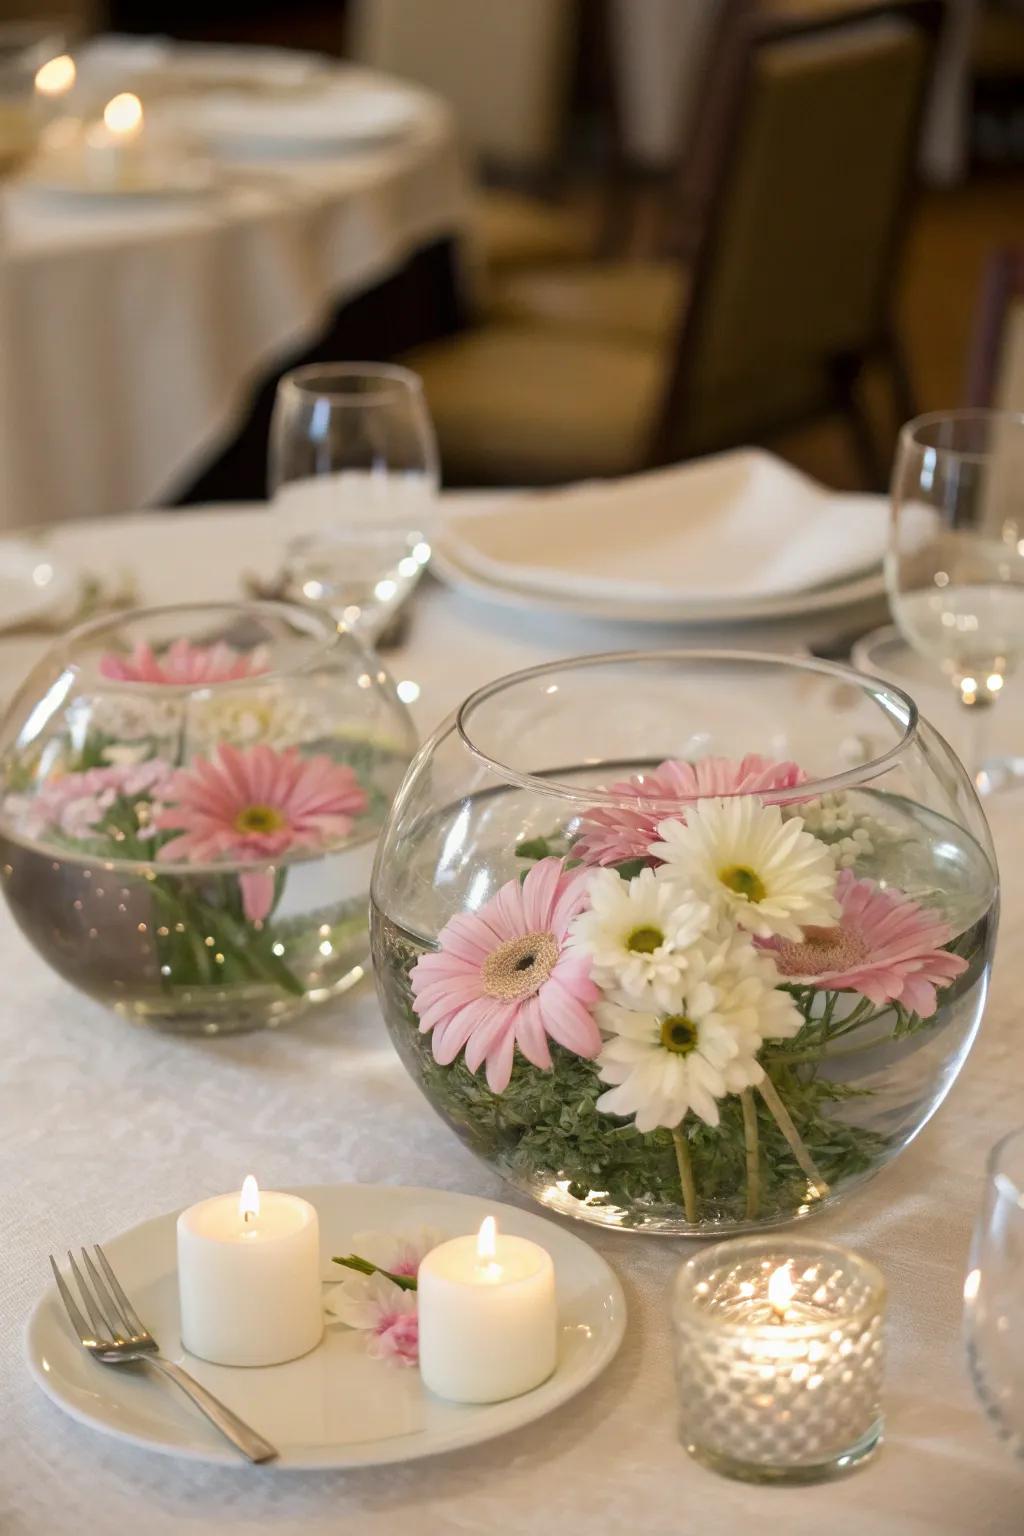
780	1358
55	78
249	1277
488	1325
114	145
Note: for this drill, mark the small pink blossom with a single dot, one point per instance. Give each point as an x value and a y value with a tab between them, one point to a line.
76	803
614	834
396	1337
885	946
386	1312
256	803
183	664
506	976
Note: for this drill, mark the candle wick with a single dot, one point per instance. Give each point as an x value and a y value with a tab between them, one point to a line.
247	1217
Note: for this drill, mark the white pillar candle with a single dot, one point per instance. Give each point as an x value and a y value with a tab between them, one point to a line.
487	1317
249	1278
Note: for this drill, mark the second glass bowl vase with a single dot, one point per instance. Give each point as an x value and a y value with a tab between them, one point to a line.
690	942
191	799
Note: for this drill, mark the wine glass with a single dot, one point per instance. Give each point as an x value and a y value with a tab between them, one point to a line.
353	468
955	564
994	1293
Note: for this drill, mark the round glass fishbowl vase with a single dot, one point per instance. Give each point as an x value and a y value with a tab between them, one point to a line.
191	801
685	942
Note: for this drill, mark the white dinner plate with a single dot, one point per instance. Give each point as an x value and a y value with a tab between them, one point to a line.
354	113
68	178
861	590
336	1407
33	583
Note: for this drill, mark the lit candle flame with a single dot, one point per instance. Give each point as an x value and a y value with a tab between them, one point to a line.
56	76
781	1289
487	1240
123	114
249	1199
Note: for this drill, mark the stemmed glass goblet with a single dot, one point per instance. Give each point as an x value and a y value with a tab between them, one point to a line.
353	469
994	1293
955	564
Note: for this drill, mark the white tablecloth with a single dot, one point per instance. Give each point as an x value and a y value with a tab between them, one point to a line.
102	1125
131	334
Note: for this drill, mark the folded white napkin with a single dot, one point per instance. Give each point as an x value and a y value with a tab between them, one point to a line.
737	525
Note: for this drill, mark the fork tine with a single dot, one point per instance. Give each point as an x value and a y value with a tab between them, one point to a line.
103	1296
128	1312
78	1322
103	1327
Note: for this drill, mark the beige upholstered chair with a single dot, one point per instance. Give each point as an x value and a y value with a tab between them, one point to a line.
611	368
506	67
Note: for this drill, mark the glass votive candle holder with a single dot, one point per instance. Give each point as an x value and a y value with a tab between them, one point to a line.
779	1358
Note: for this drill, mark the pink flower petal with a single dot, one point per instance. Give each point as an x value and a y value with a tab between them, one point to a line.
450	992
613	834
257	887
894	947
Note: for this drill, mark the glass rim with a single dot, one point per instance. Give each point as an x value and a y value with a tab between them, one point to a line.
391	379
910	438
808	789
319	627
1005	1184
788	1250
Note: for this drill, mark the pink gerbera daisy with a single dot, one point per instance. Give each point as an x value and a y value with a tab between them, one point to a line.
505	976
256	803
885	946
183	664
615	834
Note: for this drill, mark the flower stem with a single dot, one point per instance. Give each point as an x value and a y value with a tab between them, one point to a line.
753	1154
782	1119
686	1184
364	1267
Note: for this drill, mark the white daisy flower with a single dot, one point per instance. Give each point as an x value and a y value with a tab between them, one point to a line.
269	714
662	1065
853	834
637	933
769	875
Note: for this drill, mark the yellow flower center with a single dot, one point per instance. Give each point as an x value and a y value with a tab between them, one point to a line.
744	881
520	967
678	1034
259	818
644	941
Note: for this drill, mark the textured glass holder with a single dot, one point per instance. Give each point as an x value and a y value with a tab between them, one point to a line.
779	1358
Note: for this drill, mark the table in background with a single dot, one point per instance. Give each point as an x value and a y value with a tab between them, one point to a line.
103	1125
132	334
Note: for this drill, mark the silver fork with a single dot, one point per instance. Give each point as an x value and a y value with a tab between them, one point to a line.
118	1337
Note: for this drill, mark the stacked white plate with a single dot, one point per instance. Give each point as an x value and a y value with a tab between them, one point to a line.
737	539
349	109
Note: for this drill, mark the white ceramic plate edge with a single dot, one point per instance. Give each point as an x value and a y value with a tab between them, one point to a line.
844	595
38	184
502	1418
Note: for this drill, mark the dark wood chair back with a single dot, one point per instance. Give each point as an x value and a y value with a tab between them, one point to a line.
802	182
